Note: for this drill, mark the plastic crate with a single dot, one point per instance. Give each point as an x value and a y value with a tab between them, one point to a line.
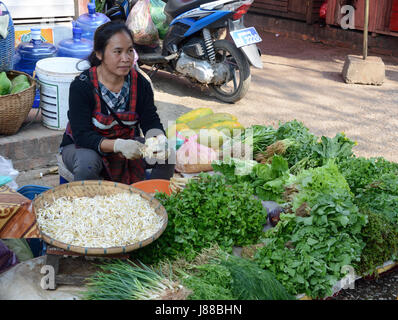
30	191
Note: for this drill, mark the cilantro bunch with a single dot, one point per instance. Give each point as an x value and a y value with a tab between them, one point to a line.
207	211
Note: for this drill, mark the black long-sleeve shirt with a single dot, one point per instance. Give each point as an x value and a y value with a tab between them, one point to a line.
82	104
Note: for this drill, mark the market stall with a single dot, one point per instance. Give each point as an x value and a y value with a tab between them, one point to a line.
276	212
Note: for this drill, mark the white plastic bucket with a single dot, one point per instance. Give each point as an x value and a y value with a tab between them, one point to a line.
55	76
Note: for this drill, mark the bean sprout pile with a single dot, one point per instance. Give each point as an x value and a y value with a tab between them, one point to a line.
101	221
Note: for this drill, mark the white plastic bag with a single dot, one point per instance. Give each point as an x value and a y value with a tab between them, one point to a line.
140	23
7	170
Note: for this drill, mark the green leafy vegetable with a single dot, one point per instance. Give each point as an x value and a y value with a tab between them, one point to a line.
250	282
268	180
380	238
360	172
260	137
209	210
339	147
304	140
308	248
381	196
209	282
374	182
129	281
224	276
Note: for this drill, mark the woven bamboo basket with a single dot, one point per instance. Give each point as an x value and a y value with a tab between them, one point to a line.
90	189
14	108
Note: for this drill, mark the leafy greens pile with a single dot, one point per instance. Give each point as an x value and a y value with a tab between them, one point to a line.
226	277
308	247
209	210
380	237
374	182
333	194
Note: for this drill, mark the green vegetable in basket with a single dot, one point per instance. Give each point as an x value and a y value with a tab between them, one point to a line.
5	84
19	79
20	87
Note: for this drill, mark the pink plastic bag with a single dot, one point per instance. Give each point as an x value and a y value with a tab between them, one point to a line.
140	23
193	157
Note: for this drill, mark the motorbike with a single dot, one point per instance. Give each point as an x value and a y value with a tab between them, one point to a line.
192	46
117	10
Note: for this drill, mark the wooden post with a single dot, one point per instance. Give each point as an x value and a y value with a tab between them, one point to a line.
365	31
80	7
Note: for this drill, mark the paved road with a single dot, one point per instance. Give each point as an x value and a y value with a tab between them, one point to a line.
302	80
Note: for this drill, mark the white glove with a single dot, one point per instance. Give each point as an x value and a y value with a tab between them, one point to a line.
156	147
131	149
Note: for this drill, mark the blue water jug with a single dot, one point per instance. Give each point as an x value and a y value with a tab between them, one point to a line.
89	22
76	47
28	53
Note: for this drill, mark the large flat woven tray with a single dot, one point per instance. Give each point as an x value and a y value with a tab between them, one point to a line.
90	189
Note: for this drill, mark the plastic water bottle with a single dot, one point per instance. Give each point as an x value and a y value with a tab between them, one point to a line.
76	47
28	53
89	22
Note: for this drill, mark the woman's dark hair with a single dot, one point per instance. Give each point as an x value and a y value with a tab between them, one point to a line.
102	36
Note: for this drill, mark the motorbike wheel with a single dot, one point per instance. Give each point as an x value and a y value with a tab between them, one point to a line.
237	87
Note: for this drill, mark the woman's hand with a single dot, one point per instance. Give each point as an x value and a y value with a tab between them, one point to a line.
131	149
156	147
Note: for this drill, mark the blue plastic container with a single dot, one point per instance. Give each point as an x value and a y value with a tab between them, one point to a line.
28	53
76	47
89	22
29	191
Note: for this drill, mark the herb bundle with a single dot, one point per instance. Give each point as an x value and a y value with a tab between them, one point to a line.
129	281
224	276
260	136
303	139
209	210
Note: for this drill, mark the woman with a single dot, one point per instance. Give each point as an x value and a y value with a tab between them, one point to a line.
108	104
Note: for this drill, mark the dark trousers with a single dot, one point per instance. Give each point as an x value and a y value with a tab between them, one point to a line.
86	164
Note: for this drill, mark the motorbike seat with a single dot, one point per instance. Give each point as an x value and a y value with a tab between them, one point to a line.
174	8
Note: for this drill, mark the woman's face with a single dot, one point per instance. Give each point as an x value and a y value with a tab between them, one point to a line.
118	57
